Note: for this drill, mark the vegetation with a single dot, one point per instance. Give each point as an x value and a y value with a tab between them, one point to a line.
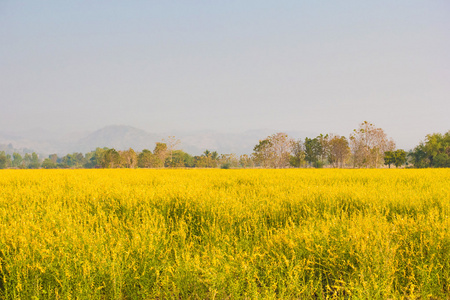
225	234
434	152
366	147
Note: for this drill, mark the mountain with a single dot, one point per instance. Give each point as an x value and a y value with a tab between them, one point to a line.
119	137
122	137
25	142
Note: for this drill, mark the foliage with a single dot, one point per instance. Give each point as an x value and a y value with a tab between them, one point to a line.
207	160
128	158
146	159
180	159
298	154
368	147
5	160
434	152
17	160
312	150
225	234
49	164
110	159
398	158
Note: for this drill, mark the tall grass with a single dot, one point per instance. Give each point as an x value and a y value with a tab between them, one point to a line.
224	234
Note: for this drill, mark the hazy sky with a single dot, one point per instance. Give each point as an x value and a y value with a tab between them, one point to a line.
321	66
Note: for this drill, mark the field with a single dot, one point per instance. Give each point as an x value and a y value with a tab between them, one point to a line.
225	234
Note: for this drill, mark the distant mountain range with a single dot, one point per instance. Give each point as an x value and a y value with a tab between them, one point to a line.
122	137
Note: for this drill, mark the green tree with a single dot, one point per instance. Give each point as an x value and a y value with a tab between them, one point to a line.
298	154
3	160
419	156
146	159
26	160
207	160
434	152
74	160
312	151
53	158
48	163
399	157
180	159
94	159
17	160
324	147
34	161
111	159
389	158
262	154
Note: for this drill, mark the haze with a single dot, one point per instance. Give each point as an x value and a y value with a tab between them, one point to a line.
227	66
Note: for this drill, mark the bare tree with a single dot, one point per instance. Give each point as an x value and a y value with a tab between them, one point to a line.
246	161
368	144
274	151
172	144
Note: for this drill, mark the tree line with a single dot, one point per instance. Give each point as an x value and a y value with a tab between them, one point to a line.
366	147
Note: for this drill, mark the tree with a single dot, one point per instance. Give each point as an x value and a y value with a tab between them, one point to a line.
181	159
94	159
262	155
399	157
128	158
434	152
339	151
74	160
146	159
3	160
160	153
172	144
26	160
34	161
298	154
227	161
207	160
389	158
53	158
111	159
214	155
368	144
274	151
312	151
49	164
419	156
17	160
246	161
324	147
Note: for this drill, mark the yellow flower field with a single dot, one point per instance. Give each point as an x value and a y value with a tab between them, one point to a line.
224	234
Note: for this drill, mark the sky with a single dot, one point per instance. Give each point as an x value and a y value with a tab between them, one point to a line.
228	66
